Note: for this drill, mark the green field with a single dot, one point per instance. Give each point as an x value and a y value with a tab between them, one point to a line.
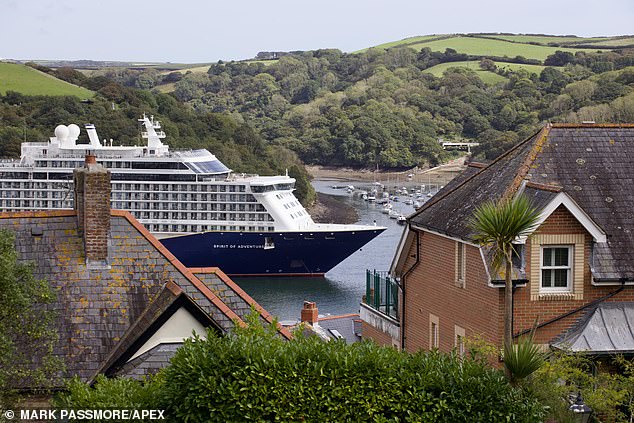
486	76
197	69
615	43
517	66
167	66
545	39
403	42
28	81
166	88
488	47
506	45
265	62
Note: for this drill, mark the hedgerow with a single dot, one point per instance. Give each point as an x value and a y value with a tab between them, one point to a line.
253	375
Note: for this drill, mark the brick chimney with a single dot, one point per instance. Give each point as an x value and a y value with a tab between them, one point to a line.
92	203
310	314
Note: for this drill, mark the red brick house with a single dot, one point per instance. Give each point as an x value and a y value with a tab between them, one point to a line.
573	277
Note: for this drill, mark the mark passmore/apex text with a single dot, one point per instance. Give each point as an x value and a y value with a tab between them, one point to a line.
91	414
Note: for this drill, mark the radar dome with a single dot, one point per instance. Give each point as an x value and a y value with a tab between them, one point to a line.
73	132
61	132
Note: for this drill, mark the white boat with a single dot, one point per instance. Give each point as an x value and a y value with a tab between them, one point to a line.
202	212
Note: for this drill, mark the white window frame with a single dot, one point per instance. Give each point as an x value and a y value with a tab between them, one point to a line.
461	264
569	268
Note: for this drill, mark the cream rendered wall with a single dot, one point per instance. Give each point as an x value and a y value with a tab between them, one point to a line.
177	328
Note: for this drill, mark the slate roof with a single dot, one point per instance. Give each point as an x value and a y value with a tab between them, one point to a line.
168	301
95	308
230	293
591	163
608	329
347	325
150	362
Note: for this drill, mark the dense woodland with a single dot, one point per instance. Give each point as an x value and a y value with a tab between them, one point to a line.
379	107
376	108
115	113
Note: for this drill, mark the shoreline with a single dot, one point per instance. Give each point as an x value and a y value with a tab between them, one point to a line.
444	172
330	209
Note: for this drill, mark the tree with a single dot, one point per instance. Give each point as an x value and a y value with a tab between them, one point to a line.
498	224
488	64
26	333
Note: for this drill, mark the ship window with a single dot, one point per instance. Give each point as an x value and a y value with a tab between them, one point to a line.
214	166
268	243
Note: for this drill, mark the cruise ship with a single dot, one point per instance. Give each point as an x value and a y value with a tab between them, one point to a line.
204	213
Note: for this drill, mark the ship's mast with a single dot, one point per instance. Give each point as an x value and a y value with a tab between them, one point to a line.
153	134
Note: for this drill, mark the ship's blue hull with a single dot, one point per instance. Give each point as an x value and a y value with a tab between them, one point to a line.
267	253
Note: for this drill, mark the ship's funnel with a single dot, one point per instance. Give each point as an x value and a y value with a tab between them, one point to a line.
92	135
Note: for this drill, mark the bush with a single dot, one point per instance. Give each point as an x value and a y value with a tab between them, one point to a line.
111	394
253	375
607	386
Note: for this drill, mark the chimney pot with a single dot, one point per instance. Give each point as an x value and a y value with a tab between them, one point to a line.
92	202
310	313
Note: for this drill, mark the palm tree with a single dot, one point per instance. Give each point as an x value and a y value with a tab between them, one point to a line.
498	224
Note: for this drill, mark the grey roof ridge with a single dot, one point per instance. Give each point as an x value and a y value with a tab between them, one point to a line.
525	167
499	158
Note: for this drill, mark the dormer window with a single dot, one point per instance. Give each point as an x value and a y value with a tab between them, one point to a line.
556	268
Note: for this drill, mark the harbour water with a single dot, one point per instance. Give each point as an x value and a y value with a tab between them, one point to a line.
341	289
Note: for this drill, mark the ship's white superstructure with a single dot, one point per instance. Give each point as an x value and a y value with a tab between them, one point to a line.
170	192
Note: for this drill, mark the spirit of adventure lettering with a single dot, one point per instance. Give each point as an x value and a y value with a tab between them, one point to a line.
237	246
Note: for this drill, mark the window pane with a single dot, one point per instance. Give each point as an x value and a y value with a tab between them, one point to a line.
561	278
561	256
547	252
546	278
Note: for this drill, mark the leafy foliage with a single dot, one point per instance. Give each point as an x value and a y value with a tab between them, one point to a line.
253	375
382	107
607	386
109	394
232	140
27	335
500	223
523	359
497	224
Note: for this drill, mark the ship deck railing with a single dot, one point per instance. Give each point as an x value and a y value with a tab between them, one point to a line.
382	292
238	176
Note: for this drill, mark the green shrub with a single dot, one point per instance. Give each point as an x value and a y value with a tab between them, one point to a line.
253	375
607	386
523	359
110	394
